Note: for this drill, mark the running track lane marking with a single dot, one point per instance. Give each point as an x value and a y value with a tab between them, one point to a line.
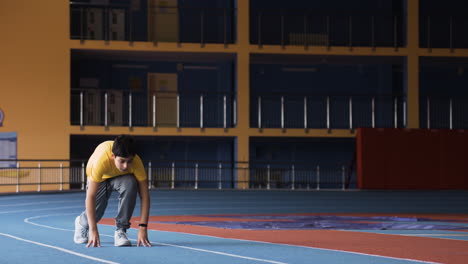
325	249
60	249
27	220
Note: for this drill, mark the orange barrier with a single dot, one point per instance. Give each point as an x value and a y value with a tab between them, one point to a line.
390	158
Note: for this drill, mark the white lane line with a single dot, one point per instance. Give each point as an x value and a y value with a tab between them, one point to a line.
222	253
59	249
22	197
50	202
42	209
28	221
432	234
38	203
324	249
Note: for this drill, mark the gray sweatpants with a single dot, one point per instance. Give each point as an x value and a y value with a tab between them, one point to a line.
127	187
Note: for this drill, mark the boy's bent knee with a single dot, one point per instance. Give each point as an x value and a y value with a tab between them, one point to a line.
128	183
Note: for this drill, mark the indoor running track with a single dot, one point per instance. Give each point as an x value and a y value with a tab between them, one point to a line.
38	228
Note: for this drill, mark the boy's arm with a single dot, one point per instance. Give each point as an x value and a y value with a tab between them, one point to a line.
93	237
144	215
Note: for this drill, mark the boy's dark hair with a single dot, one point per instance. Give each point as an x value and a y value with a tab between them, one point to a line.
124	146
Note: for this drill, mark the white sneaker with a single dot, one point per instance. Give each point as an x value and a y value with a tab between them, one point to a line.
81	233
121	239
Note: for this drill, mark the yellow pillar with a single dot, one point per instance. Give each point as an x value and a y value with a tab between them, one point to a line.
412	64
243	92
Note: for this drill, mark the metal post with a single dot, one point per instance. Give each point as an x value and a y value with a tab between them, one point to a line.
351	112
202	25
220	167
395	112
328	33
404	114
259	29
201	111
81	109
305	112
173	176
318	177
61	177
373	32
306	42
130	110
224	112
282	112
343	177
196	176
328	112
268	177
154	111
350	31
150	176
293	177
234	112
105	109
245	182
39	177
259	112
106	25
225	26
428	110
451	33
17	176
373	112
395	32
282	30
82	176
178	28
178	110
428	32
81	25
130	33
451	113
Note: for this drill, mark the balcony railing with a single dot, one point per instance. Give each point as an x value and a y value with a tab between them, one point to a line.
153	24
443	31
93	107
443	112
307	28
66	175
327	111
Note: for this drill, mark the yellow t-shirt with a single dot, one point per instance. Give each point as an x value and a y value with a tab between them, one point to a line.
101	166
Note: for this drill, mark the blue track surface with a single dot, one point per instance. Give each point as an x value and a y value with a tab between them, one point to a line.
38	228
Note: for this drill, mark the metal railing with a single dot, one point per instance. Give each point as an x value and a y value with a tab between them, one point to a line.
67	175
307	28
162	109
327	111
443	112
181	24
438	31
